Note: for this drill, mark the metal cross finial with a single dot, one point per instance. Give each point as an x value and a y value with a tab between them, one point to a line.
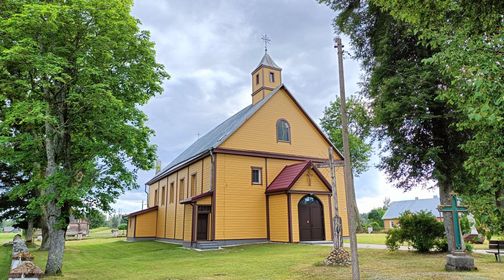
266	42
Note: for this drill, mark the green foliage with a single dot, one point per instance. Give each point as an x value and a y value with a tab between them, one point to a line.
359	129
416	130
73	75
394	239
375	218
114	221
470	56
96	219
421	230
122	227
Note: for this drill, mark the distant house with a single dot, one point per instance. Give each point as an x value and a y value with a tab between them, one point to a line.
396	208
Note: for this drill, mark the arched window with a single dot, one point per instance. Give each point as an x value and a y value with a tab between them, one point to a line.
283	131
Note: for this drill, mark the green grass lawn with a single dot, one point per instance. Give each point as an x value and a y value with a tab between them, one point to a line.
109	258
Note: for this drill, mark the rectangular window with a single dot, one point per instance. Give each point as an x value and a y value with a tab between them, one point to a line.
272	77
256	176
181	189
163	195
193	184
156	198
257	78
172	192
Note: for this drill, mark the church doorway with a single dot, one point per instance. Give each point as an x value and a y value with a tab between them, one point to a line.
203	222
311	219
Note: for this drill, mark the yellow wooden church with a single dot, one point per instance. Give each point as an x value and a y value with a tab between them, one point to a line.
253	178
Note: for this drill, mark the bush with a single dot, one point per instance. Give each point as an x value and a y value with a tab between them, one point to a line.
394	239
122	227
421	230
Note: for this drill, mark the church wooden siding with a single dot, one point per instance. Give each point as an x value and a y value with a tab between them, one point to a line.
264	82
309	181
259	132
131	227
240	205
172	218
160	230
145	225
278	218
187	222
171	204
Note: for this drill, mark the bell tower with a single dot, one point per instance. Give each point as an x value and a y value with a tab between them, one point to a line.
266	76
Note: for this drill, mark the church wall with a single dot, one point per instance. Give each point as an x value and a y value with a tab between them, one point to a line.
309	181
207	169
278	218
131	227
240	205
170	211
171	219
151	197
161	209
187	222
179	223
259	132
146	224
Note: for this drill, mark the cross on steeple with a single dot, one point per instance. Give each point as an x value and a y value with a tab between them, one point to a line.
266	42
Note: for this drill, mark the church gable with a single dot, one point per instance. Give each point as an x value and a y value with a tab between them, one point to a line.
303	176
297	135
311	182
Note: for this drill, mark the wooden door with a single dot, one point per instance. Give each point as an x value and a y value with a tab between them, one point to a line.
311	219
202	226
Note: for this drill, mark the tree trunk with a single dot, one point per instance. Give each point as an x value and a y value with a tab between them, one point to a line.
53	210
445	197
57	238
45	234
29	231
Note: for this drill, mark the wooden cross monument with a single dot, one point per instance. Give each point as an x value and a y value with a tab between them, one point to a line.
455	209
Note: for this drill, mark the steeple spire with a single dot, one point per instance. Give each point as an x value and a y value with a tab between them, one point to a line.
266	76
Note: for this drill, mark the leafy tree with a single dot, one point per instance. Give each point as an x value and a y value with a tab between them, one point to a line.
96	219
375	216
359	129
470	55
74	74
421	230
115	221
415	128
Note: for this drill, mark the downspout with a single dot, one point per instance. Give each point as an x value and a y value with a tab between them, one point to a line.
213	188
212	172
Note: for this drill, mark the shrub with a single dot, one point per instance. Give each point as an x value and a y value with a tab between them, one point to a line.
421	230
394	239
122	227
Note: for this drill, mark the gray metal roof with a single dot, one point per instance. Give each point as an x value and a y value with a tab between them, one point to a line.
396	208
267	61
213	138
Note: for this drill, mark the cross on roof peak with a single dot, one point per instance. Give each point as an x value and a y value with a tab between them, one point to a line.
266	42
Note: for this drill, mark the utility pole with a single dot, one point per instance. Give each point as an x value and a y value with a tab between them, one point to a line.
349	186
337	223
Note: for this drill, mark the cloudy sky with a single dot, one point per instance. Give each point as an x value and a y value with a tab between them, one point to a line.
210	47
